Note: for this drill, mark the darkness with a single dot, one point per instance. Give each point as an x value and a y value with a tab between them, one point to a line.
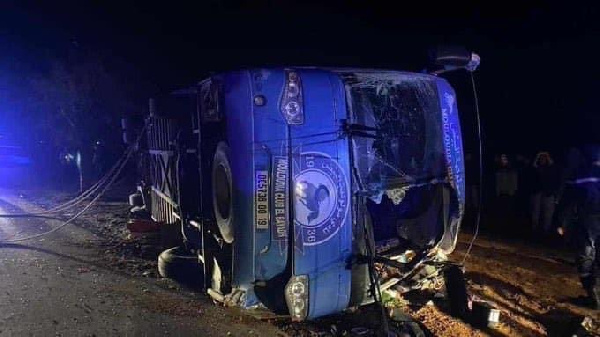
537	82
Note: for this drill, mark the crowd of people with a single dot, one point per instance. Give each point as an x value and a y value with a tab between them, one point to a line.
526	190
520	194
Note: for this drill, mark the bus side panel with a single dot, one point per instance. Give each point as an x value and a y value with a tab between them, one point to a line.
270	158
323	230
238	119
453	149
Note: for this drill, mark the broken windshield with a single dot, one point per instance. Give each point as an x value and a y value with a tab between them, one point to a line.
407	149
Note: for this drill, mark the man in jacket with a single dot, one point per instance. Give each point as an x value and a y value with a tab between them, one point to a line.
579	213
546	182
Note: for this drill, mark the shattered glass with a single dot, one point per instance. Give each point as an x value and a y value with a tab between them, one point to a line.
406	149
399	154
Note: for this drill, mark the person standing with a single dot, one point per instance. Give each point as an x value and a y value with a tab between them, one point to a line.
506	190
578	214
546	183
506	178
526	173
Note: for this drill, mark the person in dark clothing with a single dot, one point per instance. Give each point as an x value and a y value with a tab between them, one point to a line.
506	191
526	177
545	186
506	178
578	213
99	159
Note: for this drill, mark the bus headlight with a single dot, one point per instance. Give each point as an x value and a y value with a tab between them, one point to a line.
296	297
291	100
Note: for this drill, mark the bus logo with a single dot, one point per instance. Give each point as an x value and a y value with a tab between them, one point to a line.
321	198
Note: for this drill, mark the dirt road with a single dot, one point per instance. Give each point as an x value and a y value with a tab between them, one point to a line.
62	285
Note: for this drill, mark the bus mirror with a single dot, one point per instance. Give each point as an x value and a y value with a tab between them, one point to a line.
454	57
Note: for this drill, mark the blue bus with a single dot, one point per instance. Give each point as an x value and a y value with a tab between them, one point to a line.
292	185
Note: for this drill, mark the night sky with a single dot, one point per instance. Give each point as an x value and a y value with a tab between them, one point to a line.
538	81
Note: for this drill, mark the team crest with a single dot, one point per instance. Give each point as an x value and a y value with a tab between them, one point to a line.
321	198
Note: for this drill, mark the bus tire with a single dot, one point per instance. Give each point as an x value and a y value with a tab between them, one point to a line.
136	200
222	192
181	266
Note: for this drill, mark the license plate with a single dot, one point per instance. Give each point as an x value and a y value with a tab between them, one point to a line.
261	199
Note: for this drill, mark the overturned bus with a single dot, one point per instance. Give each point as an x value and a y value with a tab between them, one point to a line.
293	186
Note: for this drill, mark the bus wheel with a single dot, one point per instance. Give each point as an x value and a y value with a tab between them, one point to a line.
222	192
136	200
179	265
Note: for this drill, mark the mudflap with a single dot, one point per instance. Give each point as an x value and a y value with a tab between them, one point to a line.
456	290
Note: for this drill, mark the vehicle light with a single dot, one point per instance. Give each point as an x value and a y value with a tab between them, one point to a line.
293	90
298	289
296	297
291	100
